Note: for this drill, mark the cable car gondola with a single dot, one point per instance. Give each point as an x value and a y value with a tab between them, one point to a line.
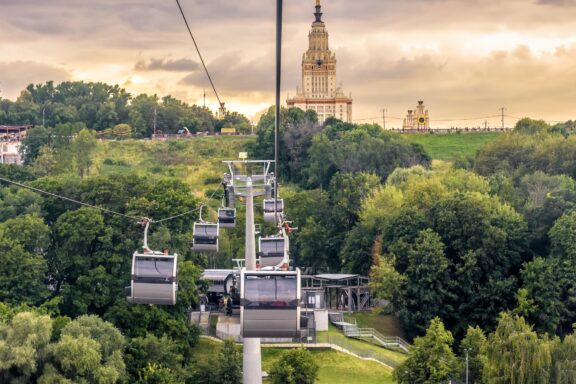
271	250
269	209
270	304
154	279
227	217
205	237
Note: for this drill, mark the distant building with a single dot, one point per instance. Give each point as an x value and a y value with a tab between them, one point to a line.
418	119
10	138
319	90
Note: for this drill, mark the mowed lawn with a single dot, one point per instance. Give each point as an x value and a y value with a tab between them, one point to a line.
452	146
335	367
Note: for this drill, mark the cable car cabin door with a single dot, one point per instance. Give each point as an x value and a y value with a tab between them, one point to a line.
270	304
154	279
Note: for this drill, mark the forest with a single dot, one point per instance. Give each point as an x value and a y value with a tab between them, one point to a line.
476	257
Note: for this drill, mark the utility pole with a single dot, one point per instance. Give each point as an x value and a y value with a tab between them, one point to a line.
154	122
204	97
502	109
384	118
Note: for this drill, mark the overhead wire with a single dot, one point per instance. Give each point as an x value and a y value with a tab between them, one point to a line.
106	210
199	54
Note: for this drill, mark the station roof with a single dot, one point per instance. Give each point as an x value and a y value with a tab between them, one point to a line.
335	276
216	274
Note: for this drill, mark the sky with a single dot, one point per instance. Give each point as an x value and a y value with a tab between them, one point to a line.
465	59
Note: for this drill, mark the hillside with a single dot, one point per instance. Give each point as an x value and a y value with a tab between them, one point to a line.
196	161
452	146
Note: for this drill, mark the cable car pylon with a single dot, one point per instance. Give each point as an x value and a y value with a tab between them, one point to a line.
252	357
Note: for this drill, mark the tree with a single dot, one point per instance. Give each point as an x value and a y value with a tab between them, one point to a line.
148	354
564	361
23	345
425	292
89	350
24	242
430	360
35	139
515	354
230	367
295	366
82	147
474	347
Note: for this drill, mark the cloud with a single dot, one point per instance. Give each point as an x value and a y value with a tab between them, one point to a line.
561	3
19	74
178	65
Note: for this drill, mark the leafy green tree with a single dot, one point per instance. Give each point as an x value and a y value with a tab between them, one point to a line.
82	147
474	346
431	359
384	278
515	354
23	345
18	201
89	350
144	353
426	289
295	366
564	361
23	244
155	374
530	127
230	367
35	139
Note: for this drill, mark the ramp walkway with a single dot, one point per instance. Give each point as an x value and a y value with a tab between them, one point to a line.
350	328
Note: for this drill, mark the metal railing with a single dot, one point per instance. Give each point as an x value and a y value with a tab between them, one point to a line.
364	353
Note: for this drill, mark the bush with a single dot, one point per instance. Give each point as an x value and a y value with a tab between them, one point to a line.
296	366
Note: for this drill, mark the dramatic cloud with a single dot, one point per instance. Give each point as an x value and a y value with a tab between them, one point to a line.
179	65
15	76
464	58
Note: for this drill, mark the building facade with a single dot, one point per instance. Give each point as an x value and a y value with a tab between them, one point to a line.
417	119
10	139
319	90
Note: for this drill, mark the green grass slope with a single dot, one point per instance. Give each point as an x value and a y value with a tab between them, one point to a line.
197	161
335	367
451	146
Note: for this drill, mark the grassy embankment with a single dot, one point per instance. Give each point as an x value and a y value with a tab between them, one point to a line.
335	367
197	161
452	146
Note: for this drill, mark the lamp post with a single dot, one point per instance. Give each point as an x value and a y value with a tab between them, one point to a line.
466	350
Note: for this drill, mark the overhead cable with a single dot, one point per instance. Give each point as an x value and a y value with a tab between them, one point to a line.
199	54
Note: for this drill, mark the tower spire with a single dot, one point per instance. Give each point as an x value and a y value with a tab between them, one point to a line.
318	12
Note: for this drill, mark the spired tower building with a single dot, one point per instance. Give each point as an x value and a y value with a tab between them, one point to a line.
319	90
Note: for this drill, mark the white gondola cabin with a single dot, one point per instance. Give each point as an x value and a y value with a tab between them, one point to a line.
227	217
205	237
154	279
269	209
270	304
271	251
